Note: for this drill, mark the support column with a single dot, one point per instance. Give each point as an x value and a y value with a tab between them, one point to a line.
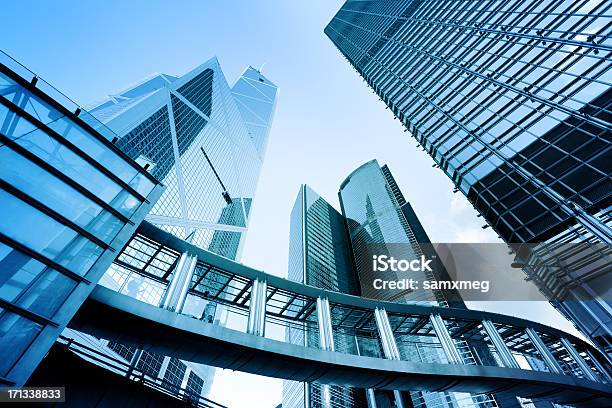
390	349
586	370
448	345
371	398
387	338
257	308
548	358
505	355
176	293
600	367
326	335
133	362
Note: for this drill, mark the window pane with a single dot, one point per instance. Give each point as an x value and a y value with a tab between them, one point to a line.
18	272
58	243
16	334
57	195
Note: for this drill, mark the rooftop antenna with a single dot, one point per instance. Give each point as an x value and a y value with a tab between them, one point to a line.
261	68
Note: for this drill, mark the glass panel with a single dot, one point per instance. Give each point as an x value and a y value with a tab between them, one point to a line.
57	195
48	293
94	148
31	284
141	184
59	242
12	125
77	169
16	334
18	272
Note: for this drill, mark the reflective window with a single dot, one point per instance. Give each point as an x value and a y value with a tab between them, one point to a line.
58	243
16	334
57	195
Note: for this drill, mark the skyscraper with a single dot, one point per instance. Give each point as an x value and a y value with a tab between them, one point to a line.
512	101
373	206
319	255
205	141
333	251
380	219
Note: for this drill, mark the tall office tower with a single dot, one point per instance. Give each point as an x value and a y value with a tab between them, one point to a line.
381	221
70	200
512	101
319	255
376	213
333	251
205	141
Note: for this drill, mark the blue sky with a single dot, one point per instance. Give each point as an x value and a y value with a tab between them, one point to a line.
327	121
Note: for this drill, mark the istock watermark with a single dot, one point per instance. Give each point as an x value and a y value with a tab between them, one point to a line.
383	263
414	284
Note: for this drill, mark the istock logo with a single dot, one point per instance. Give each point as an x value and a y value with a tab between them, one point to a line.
383	263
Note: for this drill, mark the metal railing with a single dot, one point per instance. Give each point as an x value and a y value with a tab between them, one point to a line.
135	374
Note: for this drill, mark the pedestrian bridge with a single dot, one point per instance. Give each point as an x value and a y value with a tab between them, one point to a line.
165	296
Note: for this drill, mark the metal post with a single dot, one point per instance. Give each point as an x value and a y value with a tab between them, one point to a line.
257	308
326	335
505	355
133	362
600	367
387	338
176	293
399	402
445	339
390	349
371	398
586	370
185	284
548	358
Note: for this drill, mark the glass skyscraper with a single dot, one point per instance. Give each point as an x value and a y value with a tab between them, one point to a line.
372	203
380	219
319	255
205	141
333	251
512	101
70	200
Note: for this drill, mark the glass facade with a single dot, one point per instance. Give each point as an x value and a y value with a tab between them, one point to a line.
372	204
320	256
332	251
69	199
205	141
512	101
378	218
